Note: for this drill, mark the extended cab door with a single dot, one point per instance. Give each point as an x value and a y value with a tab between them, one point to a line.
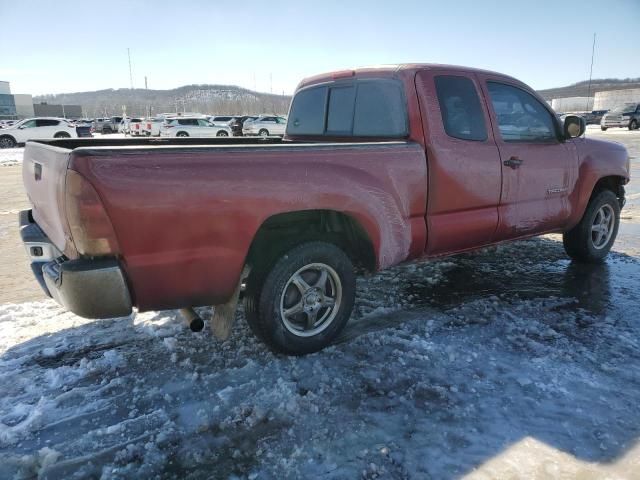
538	169
463	162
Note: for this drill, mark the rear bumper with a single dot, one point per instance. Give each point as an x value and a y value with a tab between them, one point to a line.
90	288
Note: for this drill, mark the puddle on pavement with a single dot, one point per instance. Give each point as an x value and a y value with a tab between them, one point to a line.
590	285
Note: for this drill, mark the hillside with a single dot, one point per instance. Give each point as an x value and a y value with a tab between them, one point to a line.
212	99
581	89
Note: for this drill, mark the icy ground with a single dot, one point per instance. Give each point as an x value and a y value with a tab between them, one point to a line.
11	156
509	363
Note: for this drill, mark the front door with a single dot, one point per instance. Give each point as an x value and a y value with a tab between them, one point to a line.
538	169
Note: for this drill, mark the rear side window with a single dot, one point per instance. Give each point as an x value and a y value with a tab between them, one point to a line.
380	110
364	108
460	107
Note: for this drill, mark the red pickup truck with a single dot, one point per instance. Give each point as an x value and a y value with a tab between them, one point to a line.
378	166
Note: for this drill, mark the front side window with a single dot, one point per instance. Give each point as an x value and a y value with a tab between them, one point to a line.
203	123
361	108
28	124
521	117
460	107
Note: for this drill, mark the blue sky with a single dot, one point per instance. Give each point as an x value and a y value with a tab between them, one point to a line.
64	46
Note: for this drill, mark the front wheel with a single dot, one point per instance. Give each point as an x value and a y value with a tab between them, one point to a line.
7	142
182	134
62	135
633	125
303	301
264	132
222	133
591	240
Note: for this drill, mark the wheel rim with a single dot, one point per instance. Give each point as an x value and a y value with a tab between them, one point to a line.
264	133
222	134
602	227
6	143
310	300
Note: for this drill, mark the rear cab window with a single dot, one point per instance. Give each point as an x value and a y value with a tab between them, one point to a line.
354	108
460	108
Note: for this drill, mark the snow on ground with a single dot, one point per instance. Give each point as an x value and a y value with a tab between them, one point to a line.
11	156
510	363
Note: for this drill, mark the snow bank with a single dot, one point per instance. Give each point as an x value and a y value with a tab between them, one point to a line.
11	156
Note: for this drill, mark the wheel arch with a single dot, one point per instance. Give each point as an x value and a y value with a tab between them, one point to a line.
282	231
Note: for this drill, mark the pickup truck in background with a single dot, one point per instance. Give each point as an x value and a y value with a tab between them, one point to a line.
624	116
378	166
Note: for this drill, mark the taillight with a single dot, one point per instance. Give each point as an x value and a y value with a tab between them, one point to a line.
137	126
91	229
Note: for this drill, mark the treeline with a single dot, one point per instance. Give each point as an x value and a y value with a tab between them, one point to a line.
207	99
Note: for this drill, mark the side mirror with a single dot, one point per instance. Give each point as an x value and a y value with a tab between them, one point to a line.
574	126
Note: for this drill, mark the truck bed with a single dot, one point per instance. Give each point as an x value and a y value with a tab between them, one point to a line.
185	211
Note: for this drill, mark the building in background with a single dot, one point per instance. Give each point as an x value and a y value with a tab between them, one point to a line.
52	110
14	106
613	98
572	104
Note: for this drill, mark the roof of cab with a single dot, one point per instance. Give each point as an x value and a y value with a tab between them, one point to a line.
392	69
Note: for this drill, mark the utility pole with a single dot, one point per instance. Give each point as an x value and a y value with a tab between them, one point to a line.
130	71
593	50
145	83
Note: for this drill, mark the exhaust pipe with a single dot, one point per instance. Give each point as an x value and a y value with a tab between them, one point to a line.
191	318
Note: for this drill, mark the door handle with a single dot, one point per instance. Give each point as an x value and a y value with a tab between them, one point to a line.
513	162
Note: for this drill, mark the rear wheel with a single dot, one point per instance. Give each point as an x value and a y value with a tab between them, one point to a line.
300	303
182	134
222	133
604	129
62	135
592	239
263	132
633	125
7	142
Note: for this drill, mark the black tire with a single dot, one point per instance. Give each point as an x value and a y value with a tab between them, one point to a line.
633	125
7	141
182	134
579	242
263	132
222	133
604	129
107	130
62	135
271	285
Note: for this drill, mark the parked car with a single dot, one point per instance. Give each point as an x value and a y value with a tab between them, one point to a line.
265	126
40	127
134	127
238	123
625	116
595	117
221	119
152	126
192	127
107	125
349	189
7	123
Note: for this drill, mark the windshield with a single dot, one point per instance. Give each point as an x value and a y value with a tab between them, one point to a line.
626	108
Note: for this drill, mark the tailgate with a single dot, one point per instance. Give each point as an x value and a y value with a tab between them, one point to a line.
44	171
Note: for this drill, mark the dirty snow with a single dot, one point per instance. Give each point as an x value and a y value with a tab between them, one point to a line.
444	368
11	156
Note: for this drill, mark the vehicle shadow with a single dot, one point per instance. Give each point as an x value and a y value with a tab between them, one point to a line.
444	366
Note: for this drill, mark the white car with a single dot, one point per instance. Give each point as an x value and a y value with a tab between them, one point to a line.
32	128
265	126
152	126
134	127
193	127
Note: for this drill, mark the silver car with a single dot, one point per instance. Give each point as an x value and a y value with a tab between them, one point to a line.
265	126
